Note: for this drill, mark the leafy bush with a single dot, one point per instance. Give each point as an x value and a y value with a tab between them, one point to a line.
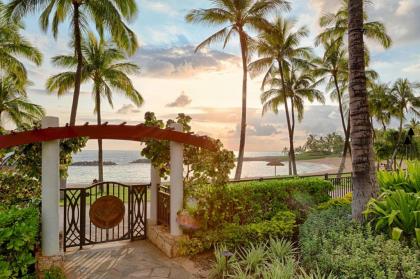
16	188
282	225
409	180
18	236
397	213
257	201
342	201
331	241
54	273
273	259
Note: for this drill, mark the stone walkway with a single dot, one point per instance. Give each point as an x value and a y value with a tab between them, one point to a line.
124	259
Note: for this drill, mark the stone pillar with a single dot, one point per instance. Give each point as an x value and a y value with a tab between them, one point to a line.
177	183
154	188
50	192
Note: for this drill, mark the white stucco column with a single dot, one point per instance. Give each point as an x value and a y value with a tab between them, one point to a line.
177	184
50	191
154	185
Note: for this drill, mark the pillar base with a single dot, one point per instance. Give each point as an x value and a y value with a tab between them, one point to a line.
44	263
163	240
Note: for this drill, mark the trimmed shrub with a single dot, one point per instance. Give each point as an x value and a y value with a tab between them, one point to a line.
233	236
343	201
331	241
257	201
18	235
16	188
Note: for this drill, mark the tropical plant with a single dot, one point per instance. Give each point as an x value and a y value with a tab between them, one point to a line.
274	258
335	26
240	16
107	15
105	67
13	46
397	213
279	51
408	180
14	103
364	177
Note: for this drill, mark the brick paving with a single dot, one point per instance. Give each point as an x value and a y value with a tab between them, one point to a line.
124	259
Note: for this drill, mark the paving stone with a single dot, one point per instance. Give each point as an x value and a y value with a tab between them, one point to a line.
161	272
138	259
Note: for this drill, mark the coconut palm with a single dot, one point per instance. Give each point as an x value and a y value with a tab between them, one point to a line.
239	16
413	124
381	103
405	100
301	86
336	26
279	50
14	104
364	173
107	15
105	67
13	46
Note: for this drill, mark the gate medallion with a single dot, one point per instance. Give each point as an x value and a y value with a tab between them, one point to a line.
107	212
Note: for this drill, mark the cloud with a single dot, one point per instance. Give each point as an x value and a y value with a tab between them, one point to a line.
128	109
181	62
399	16
182	100
160	7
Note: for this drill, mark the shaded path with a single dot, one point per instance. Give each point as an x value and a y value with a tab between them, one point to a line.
124	259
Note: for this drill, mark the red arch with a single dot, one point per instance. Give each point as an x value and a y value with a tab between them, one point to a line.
116	132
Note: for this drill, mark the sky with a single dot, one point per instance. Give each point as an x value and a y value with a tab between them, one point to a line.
207	85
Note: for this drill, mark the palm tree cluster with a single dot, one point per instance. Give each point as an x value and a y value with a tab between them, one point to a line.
291	72
96	60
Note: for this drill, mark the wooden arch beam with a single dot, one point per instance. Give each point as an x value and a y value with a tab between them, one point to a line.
114	132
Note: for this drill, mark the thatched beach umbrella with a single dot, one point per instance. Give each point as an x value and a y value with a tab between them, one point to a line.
275	163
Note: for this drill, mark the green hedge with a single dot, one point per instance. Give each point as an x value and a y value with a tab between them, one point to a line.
16	188
18	235
233	236
330	241
257	201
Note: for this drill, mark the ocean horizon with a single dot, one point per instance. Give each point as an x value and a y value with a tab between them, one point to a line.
127	172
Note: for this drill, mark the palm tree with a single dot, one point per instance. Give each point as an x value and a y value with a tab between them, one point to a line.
381	103
107	15
300	86
13	46
364	172
278	50
405	99
336	26
105	67
413	124
15	105
239	16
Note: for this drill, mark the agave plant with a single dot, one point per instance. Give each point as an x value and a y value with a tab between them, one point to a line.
396	212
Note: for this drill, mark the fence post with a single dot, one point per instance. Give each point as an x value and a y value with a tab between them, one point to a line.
326	176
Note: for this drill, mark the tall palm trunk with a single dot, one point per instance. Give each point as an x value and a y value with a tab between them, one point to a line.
364	172
293	136
78	50
244	52
397	146
100	151
289	126
346	130
346	148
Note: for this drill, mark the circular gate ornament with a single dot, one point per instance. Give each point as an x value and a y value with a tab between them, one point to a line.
107	212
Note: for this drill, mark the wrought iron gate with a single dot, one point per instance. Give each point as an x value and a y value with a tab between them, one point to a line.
104	212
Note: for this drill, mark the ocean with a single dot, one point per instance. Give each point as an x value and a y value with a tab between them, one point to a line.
126	172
